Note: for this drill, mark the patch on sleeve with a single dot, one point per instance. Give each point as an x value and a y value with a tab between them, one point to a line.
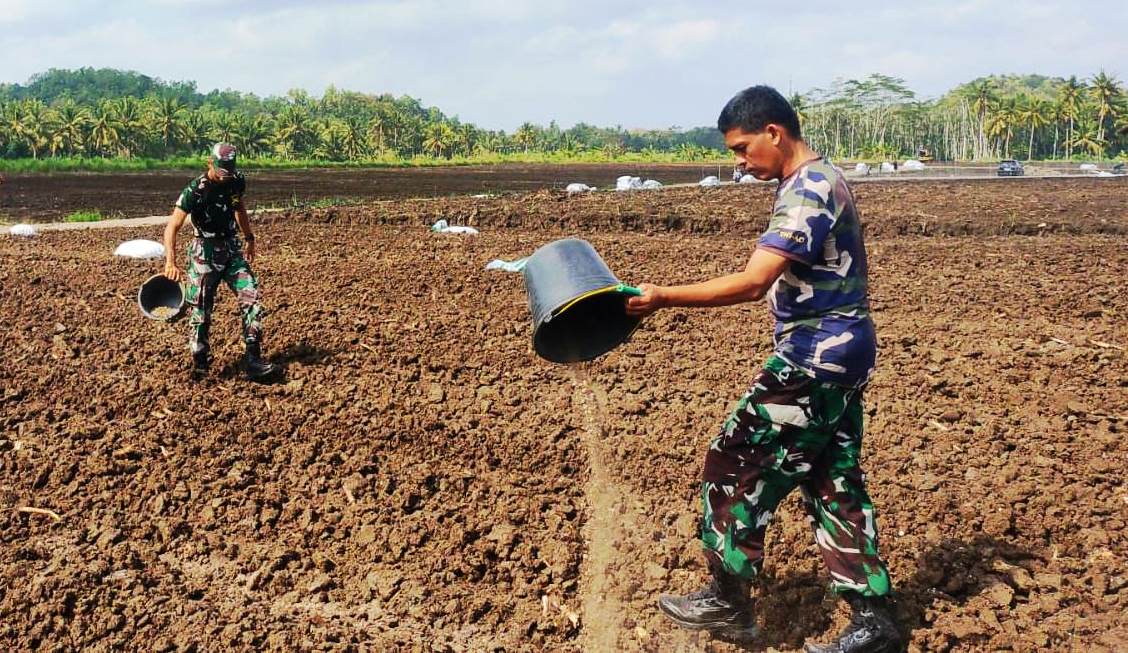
792	235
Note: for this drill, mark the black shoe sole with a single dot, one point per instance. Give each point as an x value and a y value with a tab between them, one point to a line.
262	376
885	648
720	628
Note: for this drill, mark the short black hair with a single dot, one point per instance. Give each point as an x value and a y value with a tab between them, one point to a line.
754	108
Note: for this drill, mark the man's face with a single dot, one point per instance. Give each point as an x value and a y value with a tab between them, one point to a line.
757	153
215	173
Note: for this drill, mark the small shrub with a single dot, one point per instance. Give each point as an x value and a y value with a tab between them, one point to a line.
84	216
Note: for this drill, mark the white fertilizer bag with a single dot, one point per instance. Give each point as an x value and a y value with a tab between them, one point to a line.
627	182
651	184
140	249
710	181
1088	167
23	230
912	164
578	188
862	169
748	179
443	227
887	167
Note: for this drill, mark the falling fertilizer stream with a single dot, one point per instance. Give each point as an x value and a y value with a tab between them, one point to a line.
616	534
602	612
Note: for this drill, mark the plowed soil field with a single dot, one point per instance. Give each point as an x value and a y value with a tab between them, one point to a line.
43	197
418	480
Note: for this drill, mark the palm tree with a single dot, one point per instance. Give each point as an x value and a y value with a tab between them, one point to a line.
1086	137
12	124
293	136
33	126
166	121
1105	91
799	103
196	131
105	129
467	138
251	134
129	115
1069	98
982	96
1000	124
438	138
526	135
68	133
1035	113
375	133
1122	122
352	140
5	129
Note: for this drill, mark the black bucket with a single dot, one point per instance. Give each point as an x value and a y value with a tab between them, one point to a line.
578	305
161	298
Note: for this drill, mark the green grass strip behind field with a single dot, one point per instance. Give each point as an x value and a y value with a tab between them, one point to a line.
84	216
96	164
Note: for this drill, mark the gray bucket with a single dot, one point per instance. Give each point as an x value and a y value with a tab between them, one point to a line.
161	298
576	302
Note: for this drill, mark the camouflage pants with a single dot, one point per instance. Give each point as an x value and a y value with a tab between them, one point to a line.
212	261
791	430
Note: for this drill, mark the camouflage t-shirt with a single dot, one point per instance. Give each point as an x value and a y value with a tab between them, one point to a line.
819	302
212	204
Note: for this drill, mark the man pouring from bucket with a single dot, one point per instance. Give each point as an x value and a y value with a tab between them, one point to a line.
800	422
214	202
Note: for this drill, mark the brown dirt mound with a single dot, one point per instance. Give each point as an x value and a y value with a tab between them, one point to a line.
420	481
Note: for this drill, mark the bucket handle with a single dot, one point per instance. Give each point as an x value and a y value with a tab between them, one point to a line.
621	288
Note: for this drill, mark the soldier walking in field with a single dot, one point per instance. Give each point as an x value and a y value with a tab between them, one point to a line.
800	423
214	202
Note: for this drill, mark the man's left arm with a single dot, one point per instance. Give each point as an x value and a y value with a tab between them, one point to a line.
248	235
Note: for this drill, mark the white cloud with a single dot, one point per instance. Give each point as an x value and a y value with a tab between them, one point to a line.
501	62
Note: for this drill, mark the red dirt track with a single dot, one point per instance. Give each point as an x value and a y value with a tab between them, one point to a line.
420	481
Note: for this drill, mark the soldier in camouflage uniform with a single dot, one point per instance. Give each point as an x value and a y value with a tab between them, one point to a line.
800	423
214	202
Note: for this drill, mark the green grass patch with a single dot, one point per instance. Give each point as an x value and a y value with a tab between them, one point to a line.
326	202
97	164
85	216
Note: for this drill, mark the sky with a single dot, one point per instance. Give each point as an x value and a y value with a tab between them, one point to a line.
499	63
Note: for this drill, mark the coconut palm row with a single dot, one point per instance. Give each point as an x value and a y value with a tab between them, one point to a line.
340	126
879	117
876	117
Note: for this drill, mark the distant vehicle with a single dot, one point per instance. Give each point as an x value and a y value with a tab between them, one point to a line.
1119	169
1010	168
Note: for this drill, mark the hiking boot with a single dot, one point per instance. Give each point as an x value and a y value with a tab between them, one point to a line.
254	365
721	607
200	364
872	628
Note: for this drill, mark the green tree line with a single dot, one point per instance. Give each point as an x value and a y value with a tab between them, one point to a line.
1028	117
111	114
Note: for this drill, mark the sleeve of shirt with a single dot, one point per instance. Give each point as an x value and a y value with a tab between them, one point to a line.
185	201
237	192
802	221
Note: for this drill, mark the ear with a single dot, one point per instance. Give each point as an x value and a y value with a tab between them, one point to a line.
775	132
